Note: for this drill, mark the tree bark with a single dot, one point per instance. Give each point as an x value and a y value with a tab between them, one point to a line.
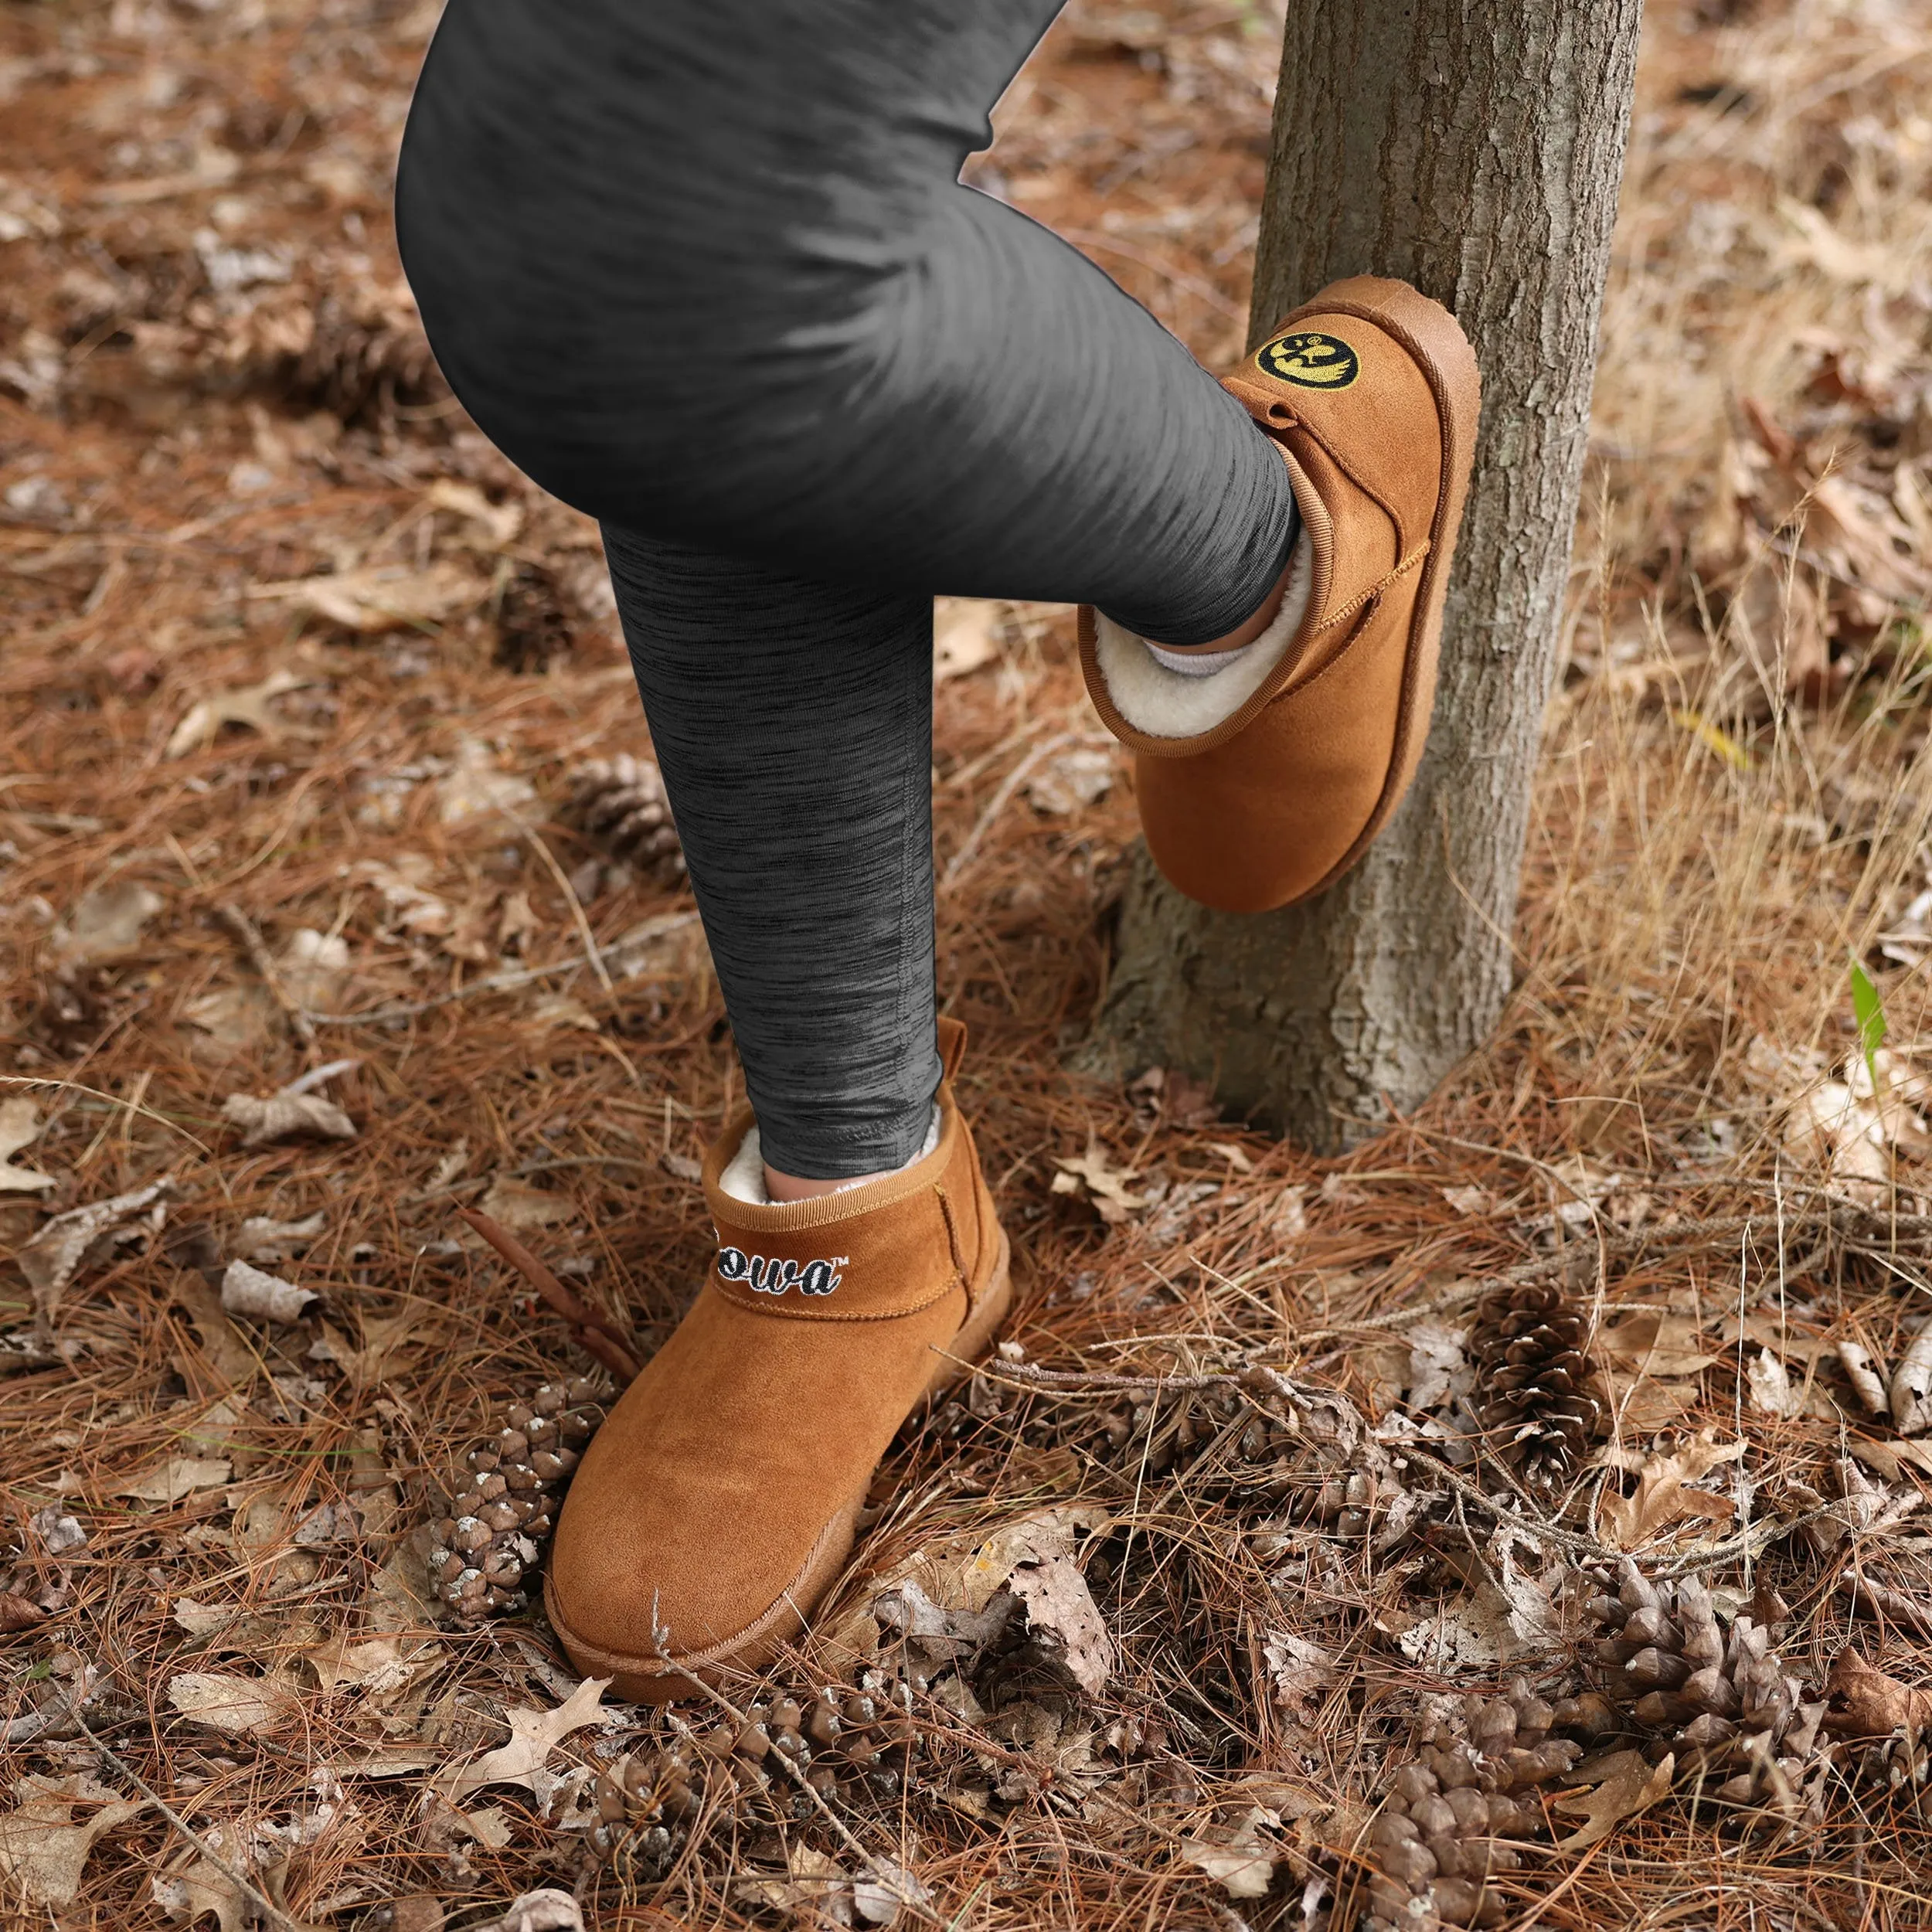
1475	148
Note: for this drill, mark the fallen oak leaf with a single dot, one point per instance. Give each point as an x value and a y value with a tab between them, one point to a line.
534	1734
291	1112
54	1255
224	1701
1865	1703
41	1850
1242	1862
1093	1175
107	925
191	1895
546	1910
384	596
177	1477
1630	1784
1664	1496
19	1127
247	705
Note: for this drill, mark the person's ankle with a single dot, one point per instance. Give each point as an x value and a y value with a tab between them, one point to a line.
1244	634
798	1187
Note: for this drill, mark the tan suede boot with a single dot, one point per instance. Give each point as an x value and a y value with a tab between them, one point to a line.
1264	781
717	1504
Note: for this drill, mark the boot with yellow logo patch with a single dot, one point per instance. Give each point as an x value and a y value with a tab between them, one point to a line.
716	1505
1263	781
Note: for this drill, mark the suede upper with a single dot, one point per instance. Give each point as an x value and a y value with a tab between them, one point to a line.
719	1497
1279	795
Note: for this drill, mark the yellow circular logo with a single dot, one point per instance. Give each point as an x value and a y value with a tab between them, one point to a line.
1310	359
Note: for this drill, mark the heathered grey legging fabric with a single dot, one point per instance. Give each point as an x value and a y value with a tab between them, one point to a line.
704	269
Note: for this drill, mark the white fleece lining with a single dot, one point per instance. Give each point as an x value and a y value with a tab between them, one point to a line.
1172	704
743	1179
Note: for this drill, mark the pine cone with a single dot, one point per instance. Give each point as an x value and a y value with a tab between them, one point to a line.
482	1552
1442	1833
532	621
850	1744
622	801
1738	1725
1536	1389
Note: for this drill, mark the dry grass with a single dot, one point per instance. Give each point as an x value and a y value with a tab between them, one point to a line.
1733	804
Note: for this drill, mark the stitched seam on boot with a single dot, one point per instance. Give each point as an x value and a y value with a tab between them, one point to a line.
952	1241
1375	589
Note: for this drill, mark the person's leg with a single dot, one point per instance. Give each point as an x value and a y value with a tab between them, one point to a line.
705	270
804	803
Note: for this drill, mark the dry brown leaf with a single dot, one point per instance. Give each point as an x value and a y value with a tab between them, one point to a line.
247	704
288	1115
476	790
19	1127
534	1734
261	1238
965	635
42	1851
815	1889
107	925
517	1205
188	1896
18	1612
413	908
369	1364
1628	1784
265	1298
1063	1619
225	1701
385	597
1241	1861
177	1477
1865	1703
1079	777
1300	1673
1773	1392
54	1255
545	1910
1656	1344
1663	1495
1910	1394
376	1665
500	521
1093	1176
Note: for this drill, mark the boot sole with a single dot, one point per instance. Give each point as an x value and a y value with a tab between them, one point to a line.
1433	337
648	1680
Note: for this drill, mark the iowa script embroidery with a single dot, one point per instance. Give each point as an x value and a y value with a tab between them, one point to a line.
771	1276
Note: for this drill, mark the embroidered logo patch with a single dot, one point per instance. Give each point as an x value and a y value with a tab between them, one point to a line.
1310	359
769	1275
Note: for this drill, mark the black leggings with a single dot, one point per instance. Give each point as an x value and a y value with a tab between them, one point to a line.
704	269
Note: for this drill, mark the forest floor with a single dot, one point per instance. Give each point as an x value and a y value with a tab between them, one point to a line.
300	683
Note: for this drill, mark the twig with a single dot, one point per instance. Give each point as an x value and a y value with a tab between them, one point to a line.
265	1906
588	1330
997	804
246	932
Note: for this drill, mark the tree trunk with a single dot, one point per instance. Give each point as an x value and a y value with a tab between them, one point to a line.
1473	147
